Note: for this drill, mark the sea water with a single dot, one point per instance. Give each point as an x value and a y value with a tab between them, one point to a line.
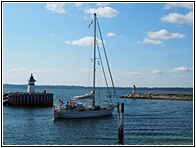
146	122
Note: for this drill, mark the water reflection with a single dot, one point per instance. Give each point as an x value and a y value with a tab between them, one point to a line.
87	131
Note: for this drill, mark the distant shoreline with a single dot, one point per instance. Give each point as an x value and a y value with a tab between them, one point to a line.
187	97
53	85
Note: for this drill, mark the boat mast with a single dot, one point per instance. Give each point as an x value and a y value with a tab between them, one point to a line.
93	102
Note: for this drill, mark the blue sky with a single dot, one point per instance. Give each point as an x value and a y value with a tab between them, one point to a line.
148	44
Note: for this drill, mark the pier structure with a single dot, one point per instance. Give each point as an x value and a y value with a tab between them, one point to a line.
29	98
134	89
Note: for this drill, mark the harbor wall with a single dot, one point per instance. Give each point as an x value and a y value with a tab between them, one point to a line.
28	99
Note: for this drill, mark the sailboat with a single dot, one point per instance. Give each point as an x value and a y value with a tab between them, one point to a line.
75	109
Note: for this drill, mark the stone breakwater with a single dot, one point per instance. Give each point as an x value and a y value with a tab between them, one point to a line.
37	99
159	96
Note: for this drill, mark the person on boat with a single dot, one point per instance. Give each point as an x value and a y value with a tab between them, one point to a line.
67	105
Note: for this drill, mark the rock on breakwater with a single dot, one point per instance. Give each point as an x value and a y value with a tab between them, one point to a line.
159	96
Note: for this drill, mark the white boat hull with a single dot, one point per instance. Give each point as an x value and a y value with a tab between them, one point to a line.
62	113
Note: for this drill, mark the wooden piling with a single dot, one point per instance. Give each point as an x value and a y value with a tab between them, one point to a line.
21	101
121	124
18	100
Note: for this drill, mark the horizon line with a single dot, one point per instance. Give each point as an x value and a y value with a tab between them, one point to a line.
105	86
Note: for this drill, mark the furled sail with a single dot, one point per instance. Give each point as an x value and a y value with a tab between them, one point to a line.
86	96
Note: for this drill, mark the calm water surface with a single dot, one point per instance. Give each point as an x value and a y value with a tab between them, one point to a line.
146	122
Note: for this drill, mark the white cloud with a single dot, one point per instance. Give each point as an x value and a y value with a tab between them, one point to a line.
102	11
180	69
102	4
156	72
86	70
55	7
164	34
17	70
161	35
26	70
147	69
110	34
178	18
150	41
78	4
86	41
181	5
131	74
